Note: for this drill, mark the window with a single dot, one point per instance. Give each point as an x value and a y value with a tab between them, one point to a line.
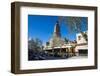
79	37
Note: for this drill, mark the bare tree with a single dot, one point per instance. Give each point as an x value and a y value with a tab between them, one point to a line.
75	24
35	44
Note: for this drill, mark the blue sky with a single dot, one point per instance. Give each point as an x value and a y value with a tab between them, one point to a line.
42	27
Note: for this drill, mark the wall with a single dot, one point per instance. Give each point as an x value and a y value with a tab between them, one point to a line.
5	33
80	38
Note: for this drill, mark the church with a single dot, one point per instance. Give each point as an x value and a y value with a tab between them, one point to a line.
58	46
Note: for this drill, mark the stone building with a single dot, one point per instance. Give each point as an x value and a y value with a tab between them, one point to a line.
57	45
82	45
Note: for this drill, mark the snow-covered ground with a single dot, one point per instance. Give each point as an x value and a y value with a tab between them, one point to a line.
77	57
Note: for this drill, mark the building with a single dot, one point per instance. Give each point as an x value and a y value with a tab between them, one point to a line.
57	45
82	44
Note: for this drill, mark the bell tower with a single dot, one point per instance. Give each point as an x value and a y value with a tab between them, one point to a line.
57	30
56	40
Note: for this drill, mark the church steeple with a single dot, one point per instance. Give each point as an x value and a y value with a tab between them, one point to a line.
57	30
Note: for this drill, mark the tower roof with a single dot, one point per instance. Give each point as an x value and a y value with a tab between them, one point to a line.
57	30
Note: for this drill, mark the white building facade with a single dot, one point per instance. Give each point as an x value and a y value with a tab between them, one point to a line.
82	44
